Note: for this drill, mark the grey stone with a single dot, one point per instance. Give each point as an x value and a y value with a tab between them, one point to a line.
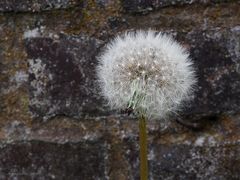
144	6
109	149
63	82
106	147
189	162
36	5
42	160
62	76
216	60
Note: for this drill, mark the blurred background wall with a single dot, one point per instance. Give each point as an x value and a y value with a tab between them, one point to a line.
54	124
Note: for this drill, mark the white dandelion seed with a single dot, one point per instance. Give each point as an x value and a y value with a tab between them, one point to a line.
153	89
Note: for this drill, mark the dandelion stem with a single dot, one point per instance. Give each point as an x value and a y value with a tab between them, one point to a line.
143	148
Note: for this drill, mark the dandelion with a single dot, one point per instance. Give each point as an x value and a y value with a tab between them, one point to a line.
157	74
170	71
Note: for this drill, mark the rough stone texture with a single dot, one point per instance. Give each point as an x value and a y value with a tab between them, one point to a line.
44	160
144	6
36	5
108	149
61	76
47	61
216	58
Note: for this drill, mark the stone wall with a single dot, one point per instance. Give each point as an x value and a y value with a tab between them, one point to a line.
55	125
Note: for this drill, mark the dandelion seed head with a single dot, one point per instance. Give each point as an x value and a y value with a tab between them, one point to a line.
150	63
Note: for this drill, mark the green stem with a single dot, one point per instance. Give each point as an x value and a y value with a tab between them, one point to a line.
143	148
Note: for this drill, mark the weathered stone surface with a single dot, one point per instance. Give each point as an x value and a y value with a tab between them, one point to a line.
44	160
108	149
36	5
209	149
83	160
144	6
62	76
141	6
168	164
216	59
